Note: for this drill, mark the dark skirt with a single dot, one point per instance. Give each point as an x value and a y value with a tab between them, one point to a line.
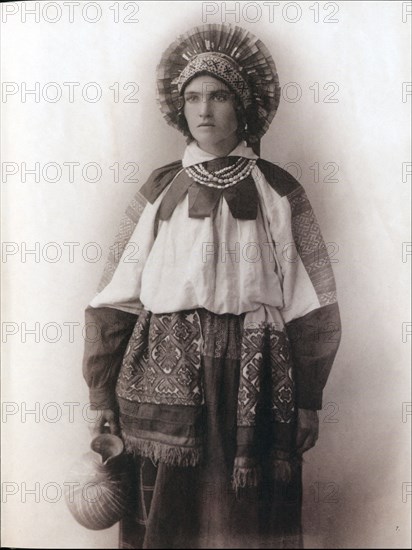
196	506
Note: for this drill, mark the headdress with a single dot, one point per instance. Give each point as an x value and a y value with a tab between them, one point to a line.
231	54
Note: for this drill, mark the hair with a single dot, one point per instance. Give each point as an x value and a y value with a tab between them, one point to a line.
242	119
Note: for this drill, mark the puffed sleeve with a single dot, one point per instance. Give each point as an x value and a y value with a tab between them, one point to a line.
310	309
112	314
109	322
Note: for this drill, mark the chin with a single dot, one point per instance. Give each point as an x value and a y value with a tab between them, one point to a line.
205	138
206	144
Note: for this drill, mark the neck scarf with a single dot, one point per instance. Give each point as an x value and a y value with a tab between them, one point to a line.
241	198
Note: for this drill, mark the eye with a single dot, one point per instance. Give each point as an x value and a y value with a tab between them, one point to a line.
221	96
191	98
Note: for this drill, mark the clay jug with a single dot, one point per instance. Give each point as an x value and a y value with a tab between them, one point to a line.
98	487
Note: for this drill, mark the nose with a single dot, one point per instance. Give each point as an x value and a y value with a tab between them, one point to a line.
205	110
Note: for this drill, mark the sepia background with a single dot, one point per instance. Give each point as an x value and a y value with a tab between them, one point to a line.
342	129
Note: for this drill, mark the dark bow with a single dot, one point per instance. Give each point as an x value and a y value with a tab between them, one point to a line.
241	198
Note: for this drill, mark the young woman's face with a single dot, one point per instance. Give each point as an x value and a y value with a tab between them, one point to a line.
210	114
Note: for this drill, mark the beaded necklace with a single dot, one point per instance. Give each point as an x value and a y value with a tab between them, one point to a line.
223	178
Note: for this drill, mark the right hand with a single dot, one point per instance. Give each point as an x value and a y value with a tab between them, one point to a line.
106	416
308	430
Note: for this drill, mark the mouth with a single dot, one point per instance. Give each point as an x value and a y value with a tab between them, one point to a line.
205	124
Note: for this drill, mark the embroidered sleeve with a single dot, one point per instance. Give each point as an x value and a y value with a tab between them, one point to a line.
125	231
310	308
113	312
110	327
315	336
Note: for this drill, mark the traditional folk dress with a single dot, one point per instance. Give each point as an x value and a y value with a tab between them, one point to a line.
218	319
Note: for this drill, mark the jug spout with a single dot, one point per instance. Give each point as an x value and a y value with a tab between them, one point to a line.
108	446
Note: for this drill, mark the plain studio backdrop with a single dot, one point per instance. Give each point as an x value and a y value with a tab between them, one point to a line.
342	129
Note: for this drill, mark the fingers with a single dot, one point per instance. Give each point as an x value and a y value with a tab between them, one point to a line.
307	430
306	438
98	427
301	436
106	422
114	426
306	441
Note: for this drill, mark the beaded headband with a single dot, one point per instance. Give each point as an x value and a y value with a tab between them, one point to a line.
219	65
230	53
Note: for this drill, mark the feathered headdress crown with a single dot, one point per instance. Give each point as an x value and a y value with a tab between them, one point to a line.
230	53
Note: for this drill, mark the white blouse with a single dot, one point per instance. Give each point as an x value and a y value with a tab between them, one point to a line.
220	263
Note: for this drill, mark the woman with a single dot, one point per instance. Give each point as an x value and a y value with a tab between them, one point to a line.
217	342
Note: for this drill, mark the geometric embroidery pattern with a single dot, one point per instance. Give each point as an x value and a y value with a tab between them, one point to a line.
222	334
282	378
311	246
162	363
125	231
163	366
219	65
262	343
